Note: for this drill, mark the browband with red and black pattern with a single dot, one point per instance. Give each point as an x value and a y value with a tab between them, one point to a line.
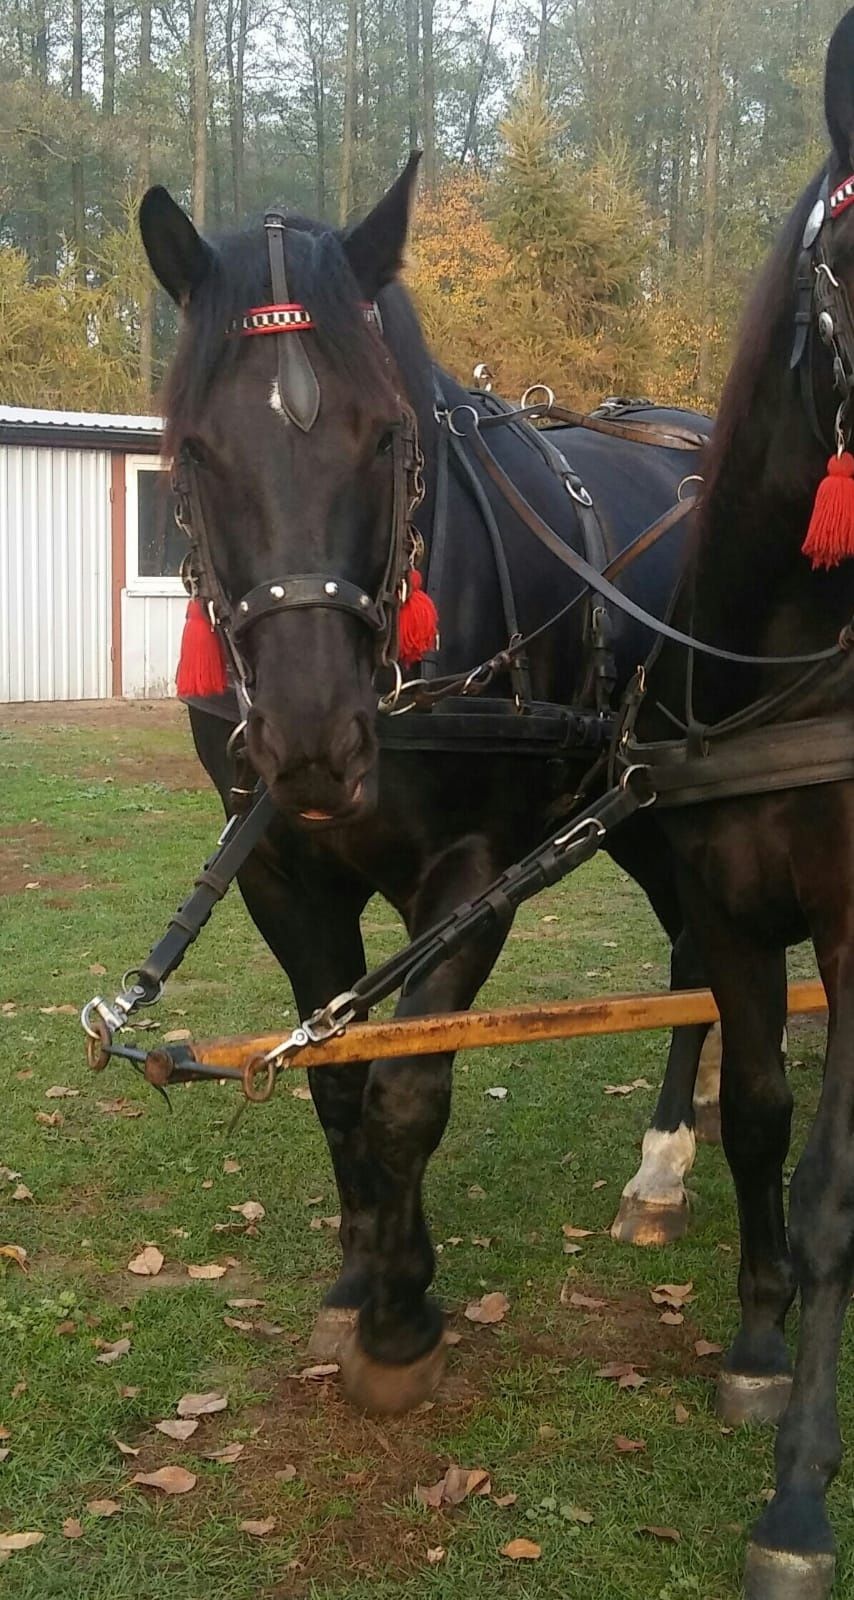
287	319
842	197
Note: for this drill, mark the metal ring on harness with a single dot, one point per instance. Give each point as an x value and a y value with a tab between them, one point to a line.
538	388
97	1042
693	477
259	1092
458	432
626	783
580	495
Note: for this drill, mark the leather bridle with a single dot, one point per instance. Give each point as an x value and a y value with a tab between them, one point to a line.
824	307
300	399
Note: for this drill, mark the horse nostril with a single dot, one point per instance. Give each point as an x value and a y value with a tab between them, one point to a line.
269	741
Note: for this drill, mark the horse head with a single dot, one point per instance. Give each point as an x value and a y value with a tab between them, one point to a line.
303	459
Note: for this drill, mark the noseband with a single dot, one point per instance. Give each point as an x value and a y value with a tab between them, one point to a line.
300	399
824	306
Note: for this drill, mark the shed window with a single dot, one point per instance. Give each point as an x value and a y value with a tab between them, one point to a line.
155	544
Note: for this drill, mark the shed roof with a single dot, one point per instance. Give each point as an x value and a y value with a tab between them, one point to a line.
80	429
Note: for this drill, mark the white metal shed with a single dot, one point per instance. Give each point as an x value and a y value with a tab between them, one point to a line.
91	604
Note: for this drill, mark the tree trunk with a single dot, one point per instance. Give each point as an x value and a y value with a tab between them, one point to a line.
411	20
365	74
43	251
236	10
108	92
78	204
345	199
542	66
471	124
199	112
714	99
146	309
318	91
428	86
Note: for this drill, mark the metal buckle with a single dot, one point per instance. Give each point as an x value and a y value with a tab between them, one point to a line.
579	494
630	776
586	825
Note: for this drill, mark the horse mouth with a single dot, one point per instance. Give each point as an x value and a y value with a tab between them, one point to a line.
331	818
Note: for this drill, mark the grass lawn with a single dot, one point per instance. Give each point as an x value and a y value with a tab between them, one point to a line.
105	821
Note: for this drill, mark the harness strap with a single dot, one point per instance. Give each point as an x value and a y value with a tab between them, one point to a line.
602	585
299	390
759	760
672	437
301	591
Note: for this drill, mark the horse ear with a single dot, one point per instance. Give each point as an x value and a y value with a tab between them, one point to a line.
179	257
839	91
375	247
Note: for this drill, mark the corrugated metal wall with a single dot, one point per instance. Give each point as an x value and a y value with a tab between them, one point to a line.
55	628
151	641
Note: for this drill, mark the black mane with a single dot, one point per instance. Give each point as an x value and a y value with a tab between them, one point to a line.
767	331
319	277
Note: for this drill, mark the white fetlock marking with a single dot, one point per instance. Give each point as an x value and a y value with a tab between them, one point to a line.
667	1160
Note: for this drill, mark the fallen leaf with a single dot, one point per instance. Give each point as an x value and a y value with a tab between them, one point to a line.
58	1091
570	1249
455	1487
202	1405
452	1336
5	1452
72	1529
672	1319
170	1480
491	1308
112	1352
102	1508
177	1430
228	1453
19	1389
476	1193
627	1447
19	1541
5	1433
521	1550
238	1324
703	1347
230	1165
497	1094
286	1474
268	1330
327	1369
584	1302
243	1303
504	1501
125	1449
50	1119
681	1414
314	1200
435	1555
631	1380
672	1535
62	1329
176	1035
58	1011
207	1271
674	1295
577	1514
600	1183
148	1263
619	1088
119	1108
7	1175
616	1369
207	1183
576	1233
301	1092
97	970
129	1391
21	1192
252	1210
259	1530
482	1244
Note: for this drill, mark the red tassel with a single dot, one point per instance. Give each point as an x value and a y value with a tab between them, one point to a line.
418	623
201	668
830	538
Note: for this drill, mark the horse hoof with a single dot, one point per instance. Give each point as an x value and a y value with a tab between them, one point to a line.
331	1332
742	1398
641	1222
384	1390
780	1575
707	1121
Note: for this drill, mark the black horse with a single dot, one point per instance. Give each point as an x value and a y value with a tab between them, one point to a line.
758	872
283	493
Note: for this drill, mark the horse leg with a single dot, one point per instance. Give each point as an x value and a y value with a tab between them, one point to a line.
396	1357
791	1555
654	1205
749	983
707	1090
313	930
